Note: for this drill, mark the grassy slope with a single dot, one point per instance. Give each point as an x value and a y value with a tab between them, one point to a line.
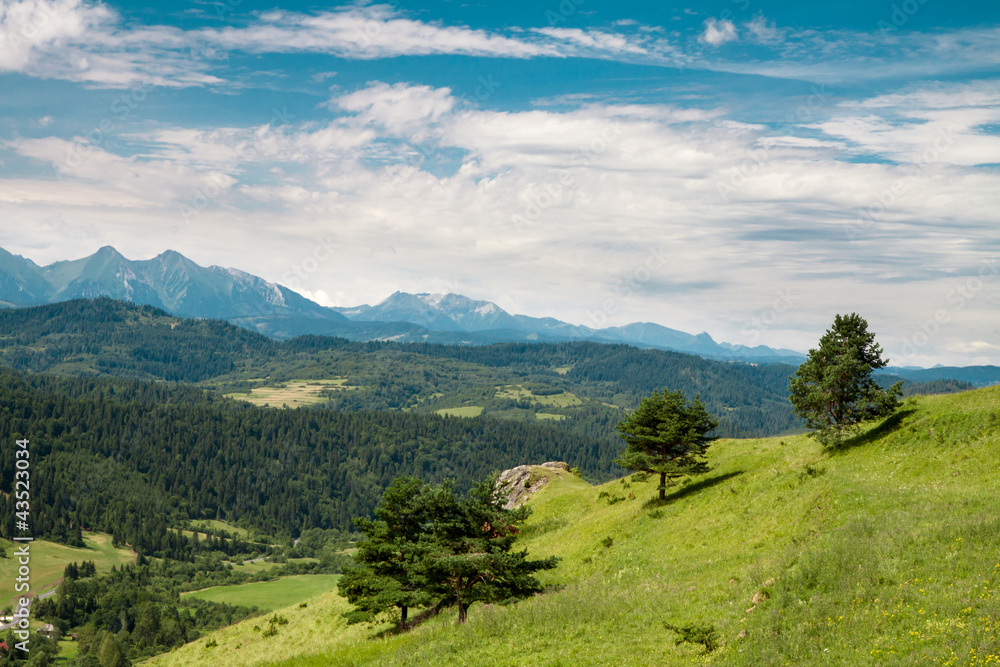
885	553
270	594
49	560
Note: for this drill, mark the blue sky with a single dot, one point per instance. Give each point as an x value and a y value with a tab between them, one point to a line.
745	168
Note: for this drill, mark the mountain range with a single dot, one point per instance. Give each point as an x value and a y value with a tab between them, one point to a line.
180	286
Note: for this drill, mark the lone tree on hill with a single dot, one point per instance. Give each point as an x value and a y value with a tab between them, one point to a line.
667	435
385	575
470	556
430	547
833	390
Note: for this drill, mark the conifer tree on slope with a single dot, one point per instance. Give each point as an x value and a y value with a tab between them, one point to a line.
470	556
833	389
667	435
430	547
385	576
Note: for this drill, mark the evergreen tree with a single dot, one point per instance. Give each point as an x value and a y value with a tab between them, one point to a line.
385	575
110	652
470	555
429	546
833	390
667	435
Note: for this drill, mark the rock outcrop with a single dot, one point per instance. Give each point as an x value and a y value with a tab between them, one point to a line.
520	482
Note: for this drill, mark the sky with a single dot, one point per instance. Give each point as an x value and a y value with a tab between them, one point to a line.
747	168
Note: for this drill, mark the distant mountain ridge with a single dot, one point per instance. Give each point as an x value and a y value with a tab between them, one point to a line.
183	288
176	284
456	313
169	281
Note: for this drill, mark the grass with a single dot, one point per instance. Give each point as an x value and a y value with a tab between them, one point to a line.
68	650
49	560
292	394
217	525
311	629
270	594
465	411
884	553
549	415
517	392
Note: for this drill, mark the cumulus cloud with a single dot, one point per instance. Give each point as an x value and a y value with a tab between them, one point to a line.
29	28
559	198
399	108
718	32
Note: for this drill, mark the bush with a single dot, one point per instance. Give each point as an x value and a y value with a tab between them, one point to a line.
696	633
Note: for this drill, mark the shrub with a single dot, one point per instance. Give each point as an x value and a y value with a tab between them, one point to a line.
696	633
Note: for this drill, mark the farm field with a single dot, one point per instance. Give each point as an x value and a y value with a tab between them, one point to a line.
561	400
49	559
465	411
292	394
215	524
270	594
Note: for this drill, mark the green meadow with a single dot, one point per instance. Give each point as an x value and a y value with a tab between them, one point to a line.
562	399
465	411
49	560
270	594
885	552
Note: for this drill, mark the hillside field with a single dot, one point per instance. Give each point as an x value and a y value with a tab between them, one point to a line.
49	560
270	594
886	552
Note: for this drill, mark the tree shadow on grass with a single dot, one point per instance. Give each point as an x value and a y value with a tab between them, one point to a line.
889	425
412	622
690	489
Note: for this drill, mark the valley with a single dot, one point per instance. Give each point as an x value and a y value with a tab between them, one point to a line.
294	439
788	552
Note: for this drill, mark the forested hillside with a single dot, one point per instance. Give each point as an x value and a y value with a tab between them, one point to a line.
137	459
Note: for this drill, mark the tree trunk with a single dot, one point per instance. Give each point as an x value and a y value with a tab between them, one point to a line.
663	486
463	611
402	616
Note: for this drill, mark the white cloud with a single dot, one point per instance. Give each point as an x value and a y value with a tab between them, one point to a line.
399	108
932	124
718	32
597	187
763	30
595	40
30	28
375	31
